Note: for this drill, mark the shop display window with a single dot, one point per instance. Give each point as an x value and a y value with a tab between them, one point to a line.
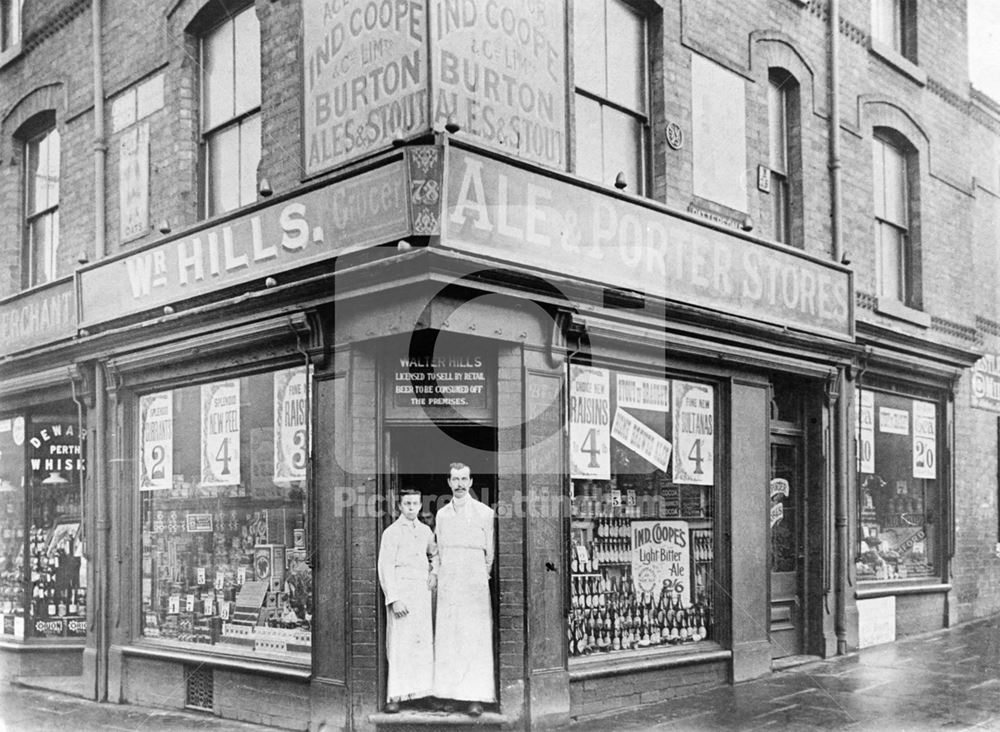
222	479
899	490
43	574
642	464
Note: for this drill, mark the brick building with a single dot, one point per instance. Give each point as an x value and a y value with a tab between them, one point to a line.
727	371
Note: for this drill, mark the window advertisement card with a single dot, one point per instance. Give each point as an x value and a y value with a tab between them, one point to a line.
661	556
694	433
641	392
924	440
866	431
291	430
893	421
220	433
639	438
156	427
590	423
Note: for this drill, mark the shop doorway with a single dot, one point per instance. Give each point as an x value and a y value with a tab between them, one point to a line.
787	547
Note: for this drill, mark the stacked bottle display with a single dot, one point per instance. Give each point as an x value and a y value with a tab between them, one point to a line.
609	615
52	594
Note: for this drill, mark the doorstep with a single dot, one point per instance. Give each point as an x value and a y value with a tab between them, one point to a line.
70	685
781	664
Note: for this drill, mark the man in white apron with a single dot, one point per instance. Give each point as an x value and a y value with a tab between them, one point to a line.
463	646
406	556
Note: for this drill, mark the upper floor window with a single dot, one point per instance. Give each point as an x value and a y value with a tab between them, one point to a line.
896	264
612	106
778	118
41	206
893	26
10	23
230	118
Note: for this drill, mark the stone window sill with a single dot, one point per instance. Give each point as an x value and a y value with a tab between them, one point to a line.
899	311
897	61
646	660
9	54
875	588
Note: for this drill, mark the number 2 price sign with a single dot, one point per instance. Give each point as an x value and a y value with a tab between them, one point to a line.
156	417
220	433
694	433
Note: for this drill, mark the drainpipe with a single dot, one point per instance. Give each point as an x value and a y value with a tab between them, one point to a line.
100	143
102	565
841	466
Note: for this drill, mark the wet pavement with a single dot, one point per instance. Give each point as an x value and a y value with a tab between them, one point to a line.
948	679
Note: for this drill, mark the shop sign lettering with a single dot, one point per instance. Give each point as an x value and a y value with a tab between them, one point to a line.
500	73
589	423
924	440
156	419
893	421
56	449
500	210
364	77
986	382
640	439
220	433
291	396
694	433
345	216
661	555
36	317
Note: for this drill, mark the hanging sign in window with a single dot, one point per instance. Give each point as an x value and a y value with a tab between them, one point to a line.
924	440
590	423
639	392
639	438
866	431
893	421
220	433
661	555
290	424
694	433
156	425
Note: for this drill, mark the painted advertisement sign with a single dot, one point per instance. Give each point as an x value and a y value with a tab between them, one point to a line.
364	77
500	74
986	382
220	433
156	420
589	423
345	216
38	316
500	210
133	182
661	556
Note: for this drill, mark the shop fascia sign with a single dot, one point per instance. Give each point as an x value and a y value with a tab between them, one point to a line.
500	210
367	209
986	382
38	316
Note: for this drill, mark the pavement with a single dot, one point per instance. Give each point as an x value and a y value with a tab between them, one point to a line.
948	679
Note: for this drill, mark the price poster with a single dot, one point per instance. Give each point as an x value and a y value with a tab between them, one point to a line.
694	433
866	431
640	392
924	440
639	438
156	425
220	433
291	431
590	423
661	555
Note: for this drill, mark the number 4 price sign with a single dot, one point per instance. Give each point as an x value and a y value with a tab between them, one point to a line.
220	433
156	417
694	433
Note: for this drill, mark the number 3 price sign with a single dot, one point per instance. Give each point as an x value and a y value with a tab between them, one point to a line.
220	433
694	433
156	417
290	416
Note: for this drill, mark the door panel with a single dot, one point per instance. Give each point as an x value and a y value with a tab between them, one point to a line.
787	547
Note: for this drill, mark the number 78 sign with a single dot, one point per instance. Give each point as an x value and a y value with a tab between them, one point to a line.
694	433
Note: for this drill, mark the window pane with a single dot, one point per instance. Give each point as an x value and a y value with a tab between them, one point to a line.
217	76
249	158
12	538
223	514
589	158
778	127
895	186
899	492
779	198
641	539
247	49
10	23
626	57
589	57
878	176
622	149
224	170
43	172
886	22
43	241
891	243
